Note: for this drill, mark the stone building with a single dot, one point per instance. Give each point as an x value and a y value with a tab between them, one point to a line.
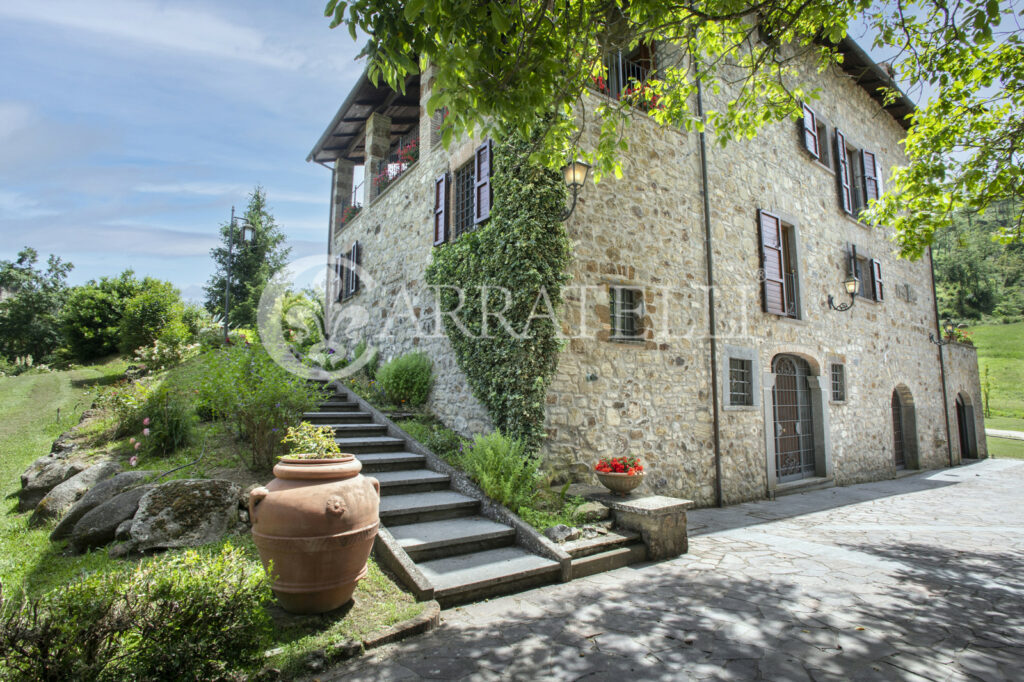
783	392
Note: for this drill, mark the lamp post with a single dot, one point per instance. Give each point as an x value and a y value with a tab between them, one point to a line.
947	327
248	232
575	173
852	285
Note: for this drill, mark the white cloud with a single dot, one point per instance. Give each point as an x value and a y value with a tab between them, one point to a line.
14	117
15	205
158	25
216	189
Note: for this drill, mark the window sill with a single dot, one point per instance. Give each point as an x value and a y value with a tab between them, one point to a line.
785	318
836	402
856	221
821	166
740	408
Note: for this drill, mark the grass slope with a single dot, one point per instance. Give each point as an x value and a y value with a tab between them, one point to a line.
1001	352
30	564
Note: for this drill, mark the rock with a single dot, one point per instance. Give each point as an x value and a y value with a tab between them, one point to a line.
100	493
124	531
185	513
592	511
37	481
562	533
120	550
243	517
98	526
63	497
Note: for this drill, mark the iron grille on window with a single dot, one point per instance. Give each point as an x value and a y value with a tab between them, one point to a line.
626	313
464	179
741	384
838	383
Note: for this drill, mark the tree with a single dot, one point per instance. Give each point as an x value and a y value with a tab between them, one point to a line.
502	65
252	263
28	316
155	312
91	318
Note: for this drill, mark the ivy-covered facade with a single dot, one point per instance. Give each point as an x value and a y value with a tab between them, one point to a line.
698	335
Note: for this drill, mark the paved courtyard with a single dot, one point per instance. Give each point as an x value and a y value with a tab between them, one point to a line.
916	578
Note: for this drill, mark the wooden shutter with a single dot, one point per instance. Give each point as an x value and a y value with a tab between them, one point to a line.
811	141
357	260
845	197
851	266
441	210
482	182
339	278
770	228
870	175
877	287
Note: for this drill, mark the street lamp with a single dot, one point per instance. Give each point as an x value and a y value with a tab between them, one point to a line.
575	173
852	285
248	233
947	327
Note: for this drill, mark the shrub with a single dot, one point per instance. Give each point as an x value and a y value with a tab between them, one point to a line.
503	469
197	615
90	318
311	442
171	420
148	313
407	379
439	439
126	401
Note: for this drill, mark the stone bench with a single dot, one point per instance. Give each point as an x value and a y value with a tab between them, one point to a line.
660	520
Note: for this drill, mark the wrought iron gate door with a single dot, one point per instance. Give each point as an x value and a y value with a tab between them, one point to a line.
897	430
794	423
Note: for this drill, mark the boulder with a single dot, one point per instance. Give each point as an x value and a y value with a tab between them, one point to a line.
592	511
44	476
98	526
185	513
562	533
97	495
63	497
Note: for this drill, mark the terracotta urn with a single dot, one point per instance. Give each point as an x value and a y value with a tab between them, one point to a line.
314	525
620	484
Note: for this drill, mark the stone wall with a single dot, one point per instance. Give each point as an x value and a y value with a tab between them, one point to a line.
963	380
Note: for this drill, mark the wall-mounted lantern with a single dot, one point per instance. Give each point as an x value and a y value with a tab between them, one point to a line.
852	285
575	173
947	327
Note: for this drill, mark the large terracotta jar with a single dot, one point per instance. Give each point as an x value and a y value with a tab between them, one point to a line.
316	523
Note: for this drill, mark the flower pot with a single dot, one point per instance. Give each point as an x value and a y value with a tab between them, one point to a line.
315	523
620	484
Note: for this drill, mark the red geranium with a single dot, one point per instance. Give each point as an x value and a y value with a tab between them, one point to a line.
630	466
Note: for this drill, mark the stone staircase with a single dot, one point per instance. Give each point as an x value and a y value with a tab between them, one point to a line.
448	545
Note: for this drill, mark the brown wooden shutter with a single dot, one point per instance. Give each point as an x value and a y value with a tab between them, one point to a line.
843	173
851	265
357	260
482	182
441	210
811	142
770	227
870	175
339	278
877	287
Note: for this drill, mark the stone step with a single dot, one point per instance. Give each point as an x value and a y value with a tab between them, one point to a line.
360	444
396	510
608	560
326	417
465	577
380	462
342	418
400	482
359	429
619	537
339	405
437	539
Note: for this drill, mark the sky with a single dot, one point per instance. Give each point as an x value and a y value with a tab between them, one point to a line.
128	128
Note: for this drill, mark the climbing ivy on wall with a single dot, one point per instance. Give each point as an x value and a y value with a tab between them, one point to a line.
512	259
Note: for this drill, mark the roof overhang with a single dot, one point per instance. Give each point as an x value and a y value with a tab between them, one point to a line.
874	79
345	139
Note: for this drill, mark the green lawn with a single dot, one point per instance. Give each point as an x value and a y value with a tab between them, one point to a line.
30	564
1001	351
1006	447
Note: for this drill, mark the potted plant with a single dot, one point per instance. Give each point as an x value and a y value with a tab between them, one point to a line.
620	474
315	523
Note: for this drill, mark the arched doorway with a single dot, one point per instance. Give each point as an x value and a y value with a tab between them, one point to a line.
899	443
965	427
794	421
904	429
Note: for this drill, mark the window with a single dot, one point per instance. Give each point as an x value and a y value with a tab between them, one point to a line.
869	272
346	267
779	266
857	173
838	382
627	74
463	216
741	382
625	306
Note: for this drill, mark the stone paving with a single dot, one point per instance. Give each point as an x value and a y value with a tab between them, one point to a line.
918	578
